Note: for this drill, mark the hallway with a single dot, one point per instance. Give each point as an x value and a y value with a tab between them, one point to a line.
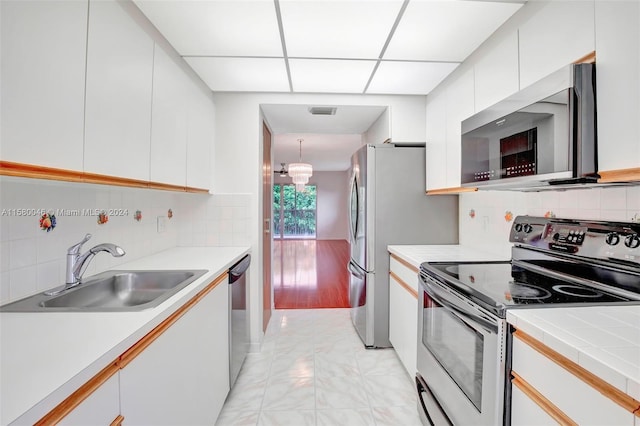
309	274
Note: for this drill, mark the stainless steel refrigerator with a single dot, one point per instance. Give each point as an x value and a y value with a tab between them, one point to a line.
388	206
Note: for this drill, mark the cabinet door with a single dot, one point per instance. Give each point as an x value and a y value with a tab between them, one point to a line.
182	377
118	104
403	325
43	73
560	33
168	159
101	408
618	68
460	106
436	149
200	139
496	73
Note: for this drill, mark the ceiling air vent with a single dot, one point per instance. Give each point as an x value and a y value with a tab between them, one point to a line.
321	110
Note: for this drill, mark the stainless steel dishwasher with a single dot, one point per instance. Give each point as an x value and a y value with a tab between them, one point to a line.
238	317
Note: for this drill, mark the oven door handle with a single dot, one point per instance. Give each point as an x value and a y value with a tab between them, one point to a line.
466	310
434	414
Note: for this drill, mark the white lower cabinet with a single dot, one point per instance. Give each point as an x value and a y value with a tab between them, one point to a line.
525	412
560	389
182	377
403	314
102	407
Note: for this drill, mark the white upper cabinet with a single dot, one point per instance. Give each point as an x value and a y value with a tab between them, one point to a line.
560	33
460	106
200	138
168	159
43	72
496	72
618	83
118	98
436	148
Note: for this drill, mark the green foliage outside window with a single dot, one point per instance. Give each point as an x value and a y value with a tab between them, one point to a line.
294	213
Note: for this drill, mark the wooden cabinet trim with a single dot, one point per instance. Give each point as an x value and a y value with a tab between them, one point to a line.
449	191
405	263
83	392
542	402
609	391
404	285
589	58
33	171
620	175
76	398
117	421
141	344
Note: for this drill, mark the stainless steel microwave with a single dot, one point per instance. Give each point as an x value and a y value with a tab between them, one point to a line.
543	135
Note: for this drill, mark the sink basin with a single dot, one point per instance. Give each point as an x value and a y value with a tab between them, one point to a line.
112	291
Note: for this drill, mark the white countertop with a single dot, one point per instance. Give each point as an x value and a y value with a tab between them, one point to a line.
603	339
415	254
46	356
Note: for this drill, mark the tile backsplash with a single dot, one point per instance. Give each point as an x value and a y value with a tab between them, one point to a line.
484	214
33	260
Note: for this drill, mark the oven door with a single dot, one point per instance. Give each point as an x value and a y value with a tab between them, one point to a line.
460	358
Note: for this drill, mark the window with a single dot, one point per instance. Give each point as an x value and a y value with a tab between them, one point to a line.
294	213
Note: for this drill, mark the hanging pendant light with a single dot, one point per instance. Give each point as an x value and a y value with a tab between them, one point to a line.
300	172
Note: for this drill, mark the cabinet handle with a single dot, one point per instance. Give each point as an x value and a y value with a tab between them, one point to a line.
117	421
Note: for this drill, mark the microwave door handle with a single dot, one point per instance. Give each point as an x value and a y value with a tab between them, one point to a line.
464	310
435	415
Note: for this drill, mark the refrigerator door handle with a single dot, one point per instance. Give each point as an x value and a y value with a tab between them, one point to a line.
355	271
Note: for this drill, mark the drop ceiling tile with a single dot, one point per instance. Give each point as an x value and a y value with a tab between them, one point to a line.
241	74
446	30
337	29
330	75
409	78
217	28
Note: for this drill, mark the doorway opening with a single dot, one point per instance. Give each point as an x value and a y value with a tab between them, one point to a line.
294	212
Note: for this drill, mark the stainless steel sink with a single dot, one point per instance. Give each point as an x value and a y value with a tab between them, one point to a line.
112	291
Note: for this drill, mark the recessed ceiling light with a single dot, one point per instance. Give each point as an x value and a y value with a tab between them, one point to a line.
319	110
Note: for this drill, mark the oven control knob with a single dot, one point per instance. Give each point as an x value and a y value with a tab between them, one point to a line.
632	241
612	238
518	227
528	228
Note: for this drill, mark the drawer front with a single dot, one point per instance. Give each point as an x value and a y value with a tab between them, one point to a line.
405	271
577	399
525	412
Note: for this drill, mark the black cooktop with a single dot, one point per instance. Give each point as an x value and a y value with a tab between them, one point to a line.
507	285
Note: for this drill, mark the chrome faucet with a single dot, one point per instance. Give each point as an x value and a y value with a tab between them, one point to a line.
76	262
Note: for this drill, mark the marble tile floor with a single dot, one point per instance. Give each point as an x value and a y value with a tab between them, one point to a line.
314	370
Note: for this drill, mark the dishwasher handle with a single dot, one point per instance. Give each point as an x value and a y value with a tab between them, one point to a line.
237	270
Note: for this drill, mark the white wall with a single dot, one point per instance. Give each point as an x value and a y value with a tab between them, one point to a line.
33	260
332	203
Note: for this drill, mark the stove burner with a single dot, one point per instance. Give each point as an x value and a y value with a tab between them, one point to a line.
528	291
574	290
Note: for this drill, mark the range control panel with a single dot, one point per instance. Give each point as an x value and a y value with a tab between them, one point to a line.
593	239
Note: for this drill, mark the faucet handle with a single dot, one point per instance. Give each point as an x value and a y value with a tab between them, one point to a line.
75	249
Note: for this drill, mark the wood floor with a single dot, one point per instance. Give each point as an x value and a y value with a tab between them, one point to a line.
310	274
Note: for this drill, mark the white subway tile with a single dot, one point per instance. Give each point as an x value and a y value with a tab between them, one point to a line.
589	199
614	215
633	198
23	282
614	198
48	275
5	254
4	287
23	253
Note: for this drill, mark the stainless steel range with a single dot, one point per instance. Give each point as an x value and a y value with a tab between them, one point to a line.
463	348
